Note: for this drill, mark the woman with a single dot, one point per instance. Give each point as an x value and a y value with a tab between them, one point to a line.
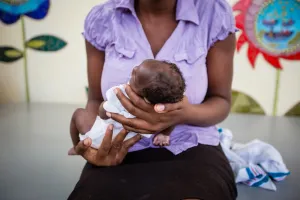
199	37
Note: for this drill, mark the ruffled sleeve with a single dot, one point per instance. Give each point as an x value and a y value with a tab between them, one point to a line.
223	22
96	26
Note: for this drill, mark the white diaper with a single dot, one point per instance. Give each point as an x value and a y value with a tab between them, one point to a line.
98	130
112	105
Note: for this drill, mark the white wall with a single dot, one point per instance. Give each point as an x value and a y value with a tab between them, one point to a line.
289	90
12	74
53	76
61	76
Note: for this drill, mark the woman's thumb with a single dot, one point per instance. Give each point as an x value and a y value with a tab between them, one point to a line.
160	108
83	145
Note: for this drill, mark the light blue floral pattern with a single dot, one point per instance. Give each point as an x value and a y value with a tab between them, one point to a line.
11	10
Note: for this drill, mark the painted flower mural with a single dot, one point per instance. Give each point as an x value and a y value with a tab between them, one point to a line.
13	10
271	28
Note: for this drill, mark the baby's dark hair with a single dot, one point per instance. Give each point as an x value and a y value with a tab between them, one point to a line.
168	86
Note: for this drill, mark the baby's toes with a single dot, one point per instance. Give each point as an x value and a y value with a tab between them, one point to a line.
166	141
155	141
161	143
72	152
161	140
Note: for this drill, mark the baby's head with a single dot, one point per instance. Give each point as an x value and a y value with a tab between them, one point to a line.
158	82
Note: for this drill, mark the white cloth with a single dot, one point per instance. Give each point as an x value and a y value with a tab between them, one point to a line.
112	105
255	164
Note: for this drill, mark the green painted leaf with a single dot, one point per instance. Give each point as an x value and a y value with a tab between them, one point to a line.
242	103
46	43
295	111
9	54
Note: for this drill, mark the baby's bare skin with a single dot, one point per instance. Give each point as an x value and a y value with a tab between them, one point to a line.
80	123
163	138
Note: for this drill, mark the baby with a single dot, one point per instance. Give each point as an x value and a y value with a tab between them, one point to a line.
154	81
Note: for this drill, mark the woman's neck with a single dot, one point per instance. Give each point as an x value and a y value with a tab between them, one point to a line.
156	7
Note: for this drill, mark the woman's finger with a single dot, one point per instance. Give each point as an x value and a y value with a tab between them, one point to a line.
132	122
130	129
136	100
118	142
83	146
129	106
105	146
119	118
126	146
89	154
164	108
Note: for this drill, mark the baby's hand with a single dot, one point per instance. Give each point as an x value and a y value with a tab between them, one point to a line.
102	112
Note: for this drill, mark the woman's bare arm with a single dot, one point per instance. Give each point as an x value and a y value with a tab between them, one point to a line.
95	62
216	107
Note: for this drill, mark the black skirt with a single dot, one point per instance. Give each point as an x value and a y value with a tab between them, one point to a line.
201	172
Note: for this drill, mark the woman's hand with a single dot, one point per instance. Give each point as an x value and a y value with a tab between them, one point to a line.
110	153
149	120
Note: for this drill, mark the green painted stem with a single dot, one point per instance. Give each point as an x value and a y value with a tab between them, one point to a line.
25	60
276	95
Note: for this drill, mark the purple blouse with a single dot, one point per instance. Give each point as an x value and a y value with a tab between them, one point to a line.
113	27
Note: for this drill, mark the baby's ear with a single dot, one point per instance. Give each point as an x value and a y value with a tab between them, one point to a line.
147	101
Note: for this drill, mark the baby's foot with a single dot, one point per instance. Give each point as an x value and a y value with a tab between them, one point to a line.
161	140
72	152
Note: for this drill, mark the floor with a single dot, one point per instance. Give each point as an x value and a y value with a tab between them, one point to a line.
35	138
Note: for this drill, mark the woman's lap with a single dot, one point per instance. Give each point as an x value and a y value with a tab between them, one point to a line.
202	172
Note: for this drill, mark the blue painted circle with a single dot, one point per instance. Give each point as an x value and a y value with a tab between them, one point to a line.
22	8
278	26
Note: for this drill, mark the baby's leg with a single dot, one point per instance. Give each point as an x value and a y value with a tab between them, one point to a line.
81	122
163	138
